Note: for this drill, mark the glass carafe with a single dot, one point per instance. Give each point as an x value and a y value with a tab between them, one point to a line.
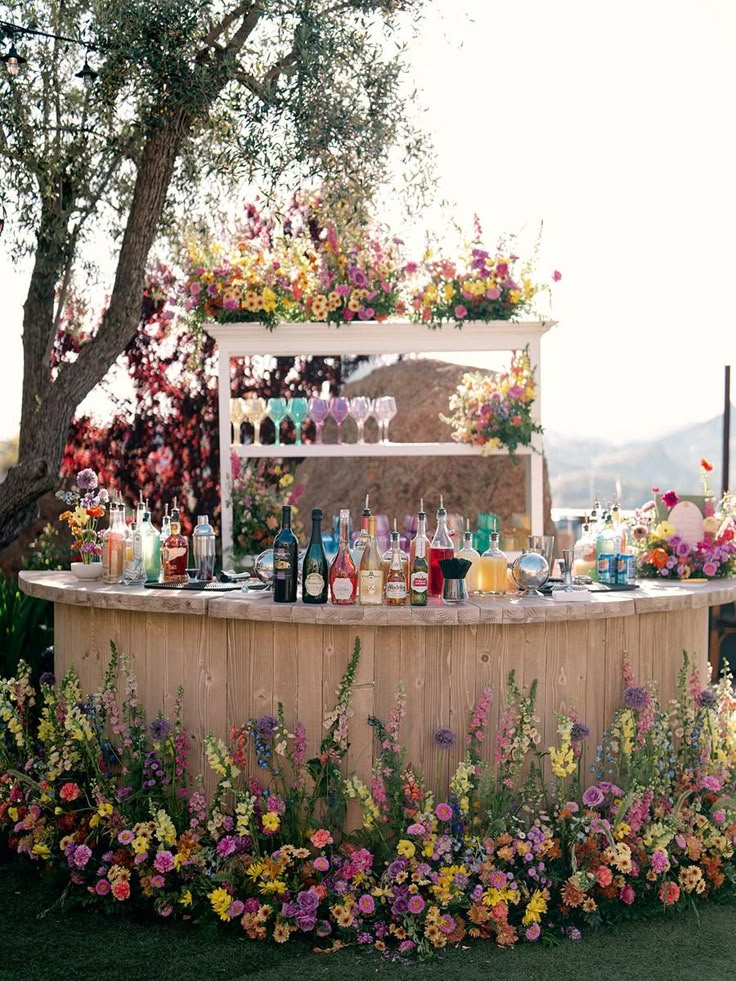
493	569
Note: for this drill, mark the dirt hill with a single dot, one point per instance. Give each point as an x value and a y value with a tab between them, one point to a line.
469	484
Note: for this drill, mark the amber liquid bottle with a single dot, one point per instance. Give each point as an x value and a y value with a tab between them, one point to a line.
175	552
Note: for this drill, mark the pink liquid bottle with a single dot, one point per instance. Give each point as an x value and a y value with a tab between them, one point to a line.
441	548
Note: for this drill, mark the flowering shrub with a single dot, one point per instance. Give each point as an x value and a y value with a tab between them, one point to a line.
88	501
492	411
258	491
487	287
87	786
661	553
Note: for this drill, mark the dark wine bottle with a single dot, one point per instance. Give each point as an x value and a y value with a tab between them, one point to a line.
314	570
285	560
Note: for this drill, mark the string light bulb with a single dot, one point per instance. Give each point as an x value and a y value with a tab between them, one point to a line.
87	74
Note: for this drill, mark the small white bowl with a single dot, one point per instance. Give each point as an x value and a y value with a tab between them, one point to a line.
92	570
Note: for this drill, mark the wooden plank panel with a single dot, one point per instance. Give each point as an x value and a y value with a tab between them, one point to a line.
359	760
439	655
286	668
463	688
310	647
410	668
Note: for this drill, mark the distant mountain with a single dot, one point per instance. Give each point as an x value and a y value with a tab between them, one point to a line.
580	469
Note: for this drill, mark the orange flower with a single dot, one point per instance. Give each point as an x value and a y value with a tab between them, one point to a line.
658	558
95	511
704	465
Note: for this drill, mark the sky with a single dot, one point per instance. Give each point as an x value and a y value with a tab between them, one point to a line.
612	125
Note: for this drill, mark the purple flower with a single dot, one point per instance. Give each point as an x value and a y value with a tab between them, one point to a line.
579	732
636	697
225	846
683	549
308	901
82	855
164	862
159	730
444	738
266	726
324	928
236	909
47	678
706	698
660	862
86	479
593	797
573	933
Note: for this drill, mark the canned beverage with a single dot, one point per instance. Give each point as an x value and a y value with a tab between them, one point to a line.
625	569
606	566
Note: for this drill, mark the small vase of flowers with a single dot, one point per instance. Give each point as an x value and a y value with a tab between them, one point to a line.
85	506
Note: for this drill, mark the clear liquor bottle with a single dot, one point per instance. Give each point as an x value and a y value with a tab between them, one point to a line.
441	548
472	579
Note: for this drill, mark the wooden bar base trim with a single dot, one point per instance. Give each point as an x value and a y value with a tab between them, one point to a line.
232	670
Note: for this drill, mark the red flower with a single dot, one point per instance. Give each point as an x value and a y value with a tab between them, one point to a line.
704	465
669	499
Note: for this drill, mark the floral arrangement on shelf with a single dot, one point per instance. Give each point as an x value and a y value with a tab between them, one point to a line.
662	553
495	410
487	287
88	501
257	493
306	269
88	787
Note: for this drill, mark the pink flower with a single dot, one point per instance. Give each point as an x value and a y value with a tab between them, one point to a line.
321	838
366	904
670	498
627	895
443	811
82	855
416	905
164	862
556	276
460	311
321	864
157	881
416	829
669	893
710	569
121	890
69	792
102	887
660	862
533	932
719	817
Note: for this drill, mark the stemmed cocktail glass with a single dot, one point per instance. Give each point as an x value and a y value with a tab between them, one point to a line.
339	410
277	412
297	410
319	409
255	412
360	410
237	415
384	410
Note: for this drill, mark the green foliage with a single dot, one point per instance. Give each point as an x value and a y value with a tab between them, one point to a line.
26	628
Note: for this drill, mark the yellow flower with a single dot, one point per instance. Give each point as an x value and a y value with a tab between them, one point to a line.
665	529
534	909
220	900
104	810
406	848
80	516
186	898
139	844
276	886
41	850
271	821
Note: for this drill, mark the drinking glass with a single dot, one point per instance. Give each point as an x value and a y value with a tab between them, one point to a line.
237	415
384	411
297	411
360	409
255	413
277	412
318	411
339	409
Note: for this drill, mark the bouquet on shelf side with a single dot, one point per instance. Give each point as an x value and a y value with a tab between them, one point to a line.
257	493
496	410
85	506
664	552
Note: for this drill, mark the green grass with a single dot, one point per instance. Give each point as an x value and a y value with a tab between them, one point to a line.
78	946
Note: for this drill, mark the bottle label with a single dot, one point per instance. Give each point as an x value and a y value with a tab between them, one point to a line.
282	563
419	582
371	584
342	589
314	584
396	589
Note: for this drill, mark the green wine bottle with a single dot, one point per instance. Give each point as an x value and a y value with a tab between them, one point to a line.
315	585
285	560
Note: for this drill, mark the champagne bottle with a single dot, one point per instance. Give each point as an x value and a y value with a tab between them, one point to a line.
285	560
418	595
343	571
371	570
314	570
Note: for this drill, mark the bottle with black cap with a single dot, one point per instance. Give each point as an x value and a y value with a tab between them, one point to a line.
285	560
315	571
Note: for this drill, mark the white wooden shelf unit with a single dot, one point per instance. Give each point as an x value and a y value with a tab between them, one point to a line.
389	337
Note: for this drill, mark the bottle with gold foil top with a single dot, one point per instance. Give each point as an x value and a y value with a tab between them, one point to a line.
472	579
419	577
388	557
396	588
371	570
343	571
175	552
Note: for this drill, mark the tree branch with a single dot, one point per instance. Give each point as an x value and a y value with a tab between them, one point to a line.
226	22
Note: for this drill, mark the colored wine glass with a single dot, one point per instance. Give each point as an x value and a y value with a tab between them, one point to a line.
256	411
360	409
385	410
297	411
339	410
277	413
319	409
237	415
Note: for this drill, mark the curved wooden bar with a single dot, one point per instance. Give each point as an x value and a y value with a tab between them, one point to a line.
238	655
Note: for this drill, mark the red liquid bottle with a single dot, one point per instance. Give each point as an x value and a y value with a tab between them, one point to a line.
441	548
343	571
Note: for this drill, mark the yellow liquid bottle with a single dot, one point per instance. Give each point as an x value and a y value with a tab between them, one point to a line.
493	567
